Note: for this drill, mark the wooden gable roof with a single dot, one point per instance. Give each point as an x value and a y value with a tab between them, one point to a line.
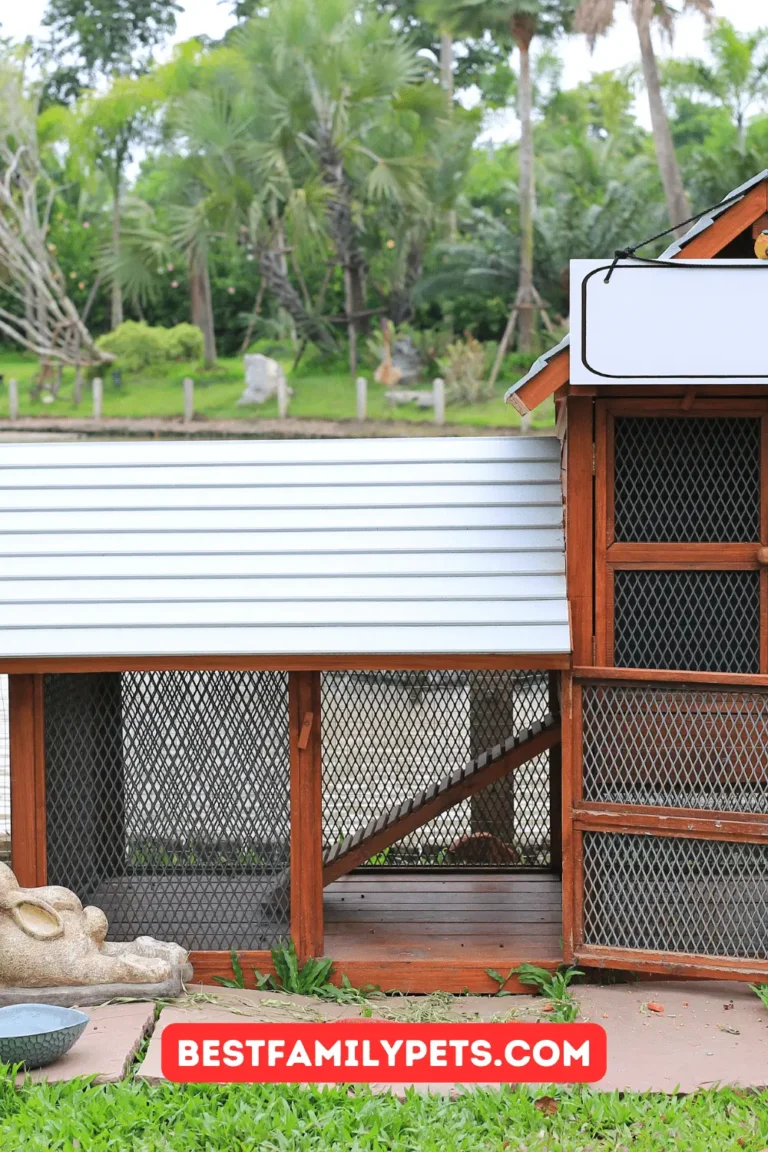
705	240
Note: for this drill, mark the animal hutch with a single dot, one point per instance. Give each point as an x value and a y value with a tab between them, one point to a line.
305	688
363	693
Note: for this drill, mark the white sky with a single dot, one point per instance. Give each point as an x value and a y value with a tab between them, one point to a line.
618	48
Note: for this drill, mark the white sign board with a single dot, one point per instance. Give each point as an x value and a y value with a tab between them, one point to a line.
681	322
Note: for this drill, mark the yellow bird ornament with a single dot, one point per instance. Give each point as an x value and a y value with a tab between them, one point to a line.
761	245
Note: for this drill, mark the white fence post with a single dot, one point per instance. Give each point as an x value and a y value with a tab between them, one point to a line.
438	399
282	397
361	396
97	397
13	399
189	399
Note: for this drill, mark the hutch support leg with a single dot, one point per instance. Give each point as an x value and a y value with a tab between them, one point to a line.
27	763
306	814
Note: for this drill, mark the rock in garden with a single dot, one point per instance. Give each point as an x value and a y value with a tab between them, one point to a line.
262	376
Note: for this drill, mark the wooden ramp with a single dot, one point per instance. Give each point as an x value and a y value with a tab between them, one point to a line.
388	827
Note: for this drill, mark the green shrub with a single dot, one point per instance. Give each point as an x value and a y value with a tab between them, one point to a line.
136	346
183	342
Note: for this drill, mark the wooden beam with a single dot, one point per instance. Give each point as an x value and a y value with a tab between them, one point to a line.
579	520
375	662
553	376
681	679
306	814
27	764
673	964
445	797
675	822
728	226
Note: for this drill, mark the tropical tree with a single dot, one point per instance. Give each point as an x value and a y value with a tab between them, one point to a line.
344	90
736	80
594	18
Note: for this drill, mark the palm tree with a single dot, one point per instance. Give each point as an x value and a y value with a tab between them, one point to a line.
518	22
339	84
594	18
737	80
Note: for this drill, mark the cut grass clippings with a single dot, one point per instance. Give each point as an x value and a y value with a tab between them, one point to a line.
285	1118
158	393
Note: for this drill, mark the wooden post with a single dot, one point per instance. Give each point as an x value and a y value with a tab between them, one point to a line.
97	397
361	396
282	397
438	399
189	399
555	784
27	763
306	814
13	399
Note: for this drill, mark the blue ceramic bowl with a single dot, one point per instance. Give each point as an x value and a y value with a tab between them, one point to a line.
37	1034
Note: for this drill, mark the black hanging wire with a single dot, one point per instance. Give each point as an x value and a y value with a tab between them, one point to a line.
630	253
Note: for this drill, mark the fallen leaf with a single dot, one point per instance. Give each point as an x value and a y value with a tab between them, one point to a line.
652	1006
606	1016
547	1104
727	1007
730	1031
548	1008
685	1003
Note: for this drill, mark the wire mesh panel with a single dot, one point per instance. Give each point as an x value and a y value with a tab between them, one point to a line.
701	621
676	747
167	802
701	897
686	480
388	735
5	774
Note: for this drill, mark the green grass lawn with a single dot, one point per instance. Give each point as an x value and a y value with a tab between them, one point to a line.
131	1117
327	397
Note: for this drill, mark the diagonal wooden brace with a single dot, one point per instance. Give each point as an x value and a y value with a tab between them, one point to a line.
388	827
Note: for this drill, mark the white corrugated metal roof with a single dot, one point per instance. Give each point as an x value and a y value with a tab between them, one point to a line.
282	547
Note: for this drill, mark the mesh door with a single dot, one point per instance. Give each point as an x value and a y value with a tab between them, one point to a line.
699	897
387	735
700	621
686	479
681	748
167	802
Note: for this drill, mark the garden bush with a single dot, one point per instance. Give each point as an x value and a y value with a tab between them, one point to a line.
136	346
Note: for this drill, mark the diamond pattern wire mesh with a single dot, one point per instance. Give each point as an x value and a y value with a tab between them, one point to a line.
5	775
167	798
701	621
687	480
678	748
387	735
701	897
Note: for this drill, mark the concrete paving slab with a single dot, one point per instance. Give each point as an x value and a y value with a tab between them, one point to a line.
708	1033
106	1048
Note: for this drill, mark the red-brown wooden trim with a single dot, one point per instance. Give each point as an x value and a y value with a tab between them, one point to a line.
543	384
579	514
306	815
666	676
555	783
684	556
673	963
408	663
728	226
571	792
675	822
603	653
27	765
391	975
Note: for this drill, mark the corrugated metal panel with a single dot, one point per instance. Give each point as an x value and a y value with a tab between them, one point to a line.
297	547
669	253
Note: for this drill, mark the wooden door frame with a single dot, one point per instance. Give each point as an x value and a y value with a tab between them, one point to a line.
27	779
610	556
